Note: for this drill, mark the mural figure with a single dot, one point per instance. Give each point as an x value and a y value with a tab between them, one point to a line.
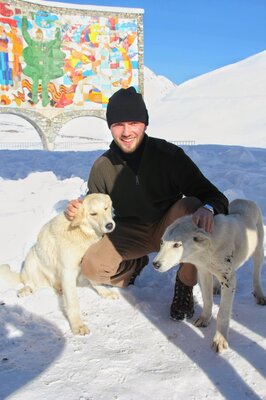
5	70
17	49
44	61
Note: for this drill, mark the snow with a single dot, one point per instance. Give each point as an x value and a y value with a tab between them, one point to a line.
225	106
134	351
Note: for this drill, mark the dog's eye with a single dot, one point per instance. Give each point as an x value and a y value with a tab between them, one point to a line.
176	245
93	214
106	208
196	239
161	242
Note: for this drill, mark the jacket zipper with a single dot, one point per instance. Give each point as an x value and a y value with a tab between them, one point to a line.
137	180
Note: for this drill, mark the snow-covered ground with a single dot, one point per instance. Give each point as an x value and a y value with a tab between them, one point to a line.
135	352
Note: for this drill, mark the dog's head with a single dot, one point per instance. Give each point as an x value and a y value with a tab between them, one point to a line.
182	241
95	214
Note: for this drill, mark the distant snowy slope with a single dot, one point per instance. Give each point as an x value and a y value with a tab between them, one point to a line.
156	87
225	106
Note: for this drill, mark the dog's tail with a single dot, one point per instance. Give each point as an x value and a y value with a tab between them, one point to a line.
8	278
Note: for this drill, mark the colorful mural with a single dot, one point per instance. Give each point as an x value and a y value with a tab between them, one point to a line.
50	59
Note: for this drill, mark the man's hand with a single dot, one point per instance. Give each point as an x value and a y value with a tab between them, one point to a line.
203	219
72	209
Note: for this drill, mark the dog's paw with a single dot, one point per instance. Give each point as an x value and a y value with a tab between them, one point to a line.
81	329
201	322
110	295
260	299
25	291
106	293
219	343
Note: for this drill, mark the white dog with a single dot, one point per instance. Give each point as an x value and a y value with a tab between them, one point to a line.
54	260
234	239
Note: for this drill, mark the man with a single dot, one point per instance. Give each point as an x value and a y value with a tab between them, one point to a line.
147	179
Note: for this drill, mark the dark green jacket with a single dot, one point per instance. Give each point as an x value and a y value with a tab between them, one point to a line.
165	175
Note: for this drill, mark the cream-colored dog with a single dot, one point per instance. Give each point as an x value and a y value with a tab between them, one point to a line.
235	238
54	260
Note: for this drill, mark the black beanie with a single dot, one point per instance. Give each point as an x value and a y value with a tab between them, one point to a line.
126	105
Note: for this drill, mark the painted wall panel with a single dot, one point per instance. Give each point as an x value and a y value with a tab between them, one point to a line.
68	59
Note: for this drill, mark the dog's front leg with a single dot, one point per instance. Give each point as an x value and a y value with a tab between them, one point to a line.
206	284
228	288
69	288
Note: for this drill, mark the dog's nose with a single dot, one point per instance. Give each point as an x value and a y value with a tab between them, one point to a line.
109	226
156	264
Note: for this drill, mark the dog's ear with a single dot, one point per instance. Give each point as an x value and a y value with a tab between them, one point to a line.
201	236
78	218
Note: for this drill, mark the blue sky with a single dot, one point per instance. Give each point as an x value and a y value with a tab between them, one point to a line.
187	38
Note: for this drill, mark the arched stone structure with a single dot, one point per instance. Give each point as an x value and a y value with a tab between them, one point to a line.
62	61
48	128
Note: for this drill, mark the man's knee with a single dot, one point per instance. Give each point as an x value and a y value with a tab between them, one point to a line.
89	268
100	262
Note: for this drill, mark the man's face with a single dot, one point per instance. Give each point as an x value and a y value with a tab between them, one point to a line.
128	135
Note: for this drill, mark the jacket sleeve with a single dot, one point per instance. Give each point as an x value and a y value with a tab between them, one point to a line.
192	182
